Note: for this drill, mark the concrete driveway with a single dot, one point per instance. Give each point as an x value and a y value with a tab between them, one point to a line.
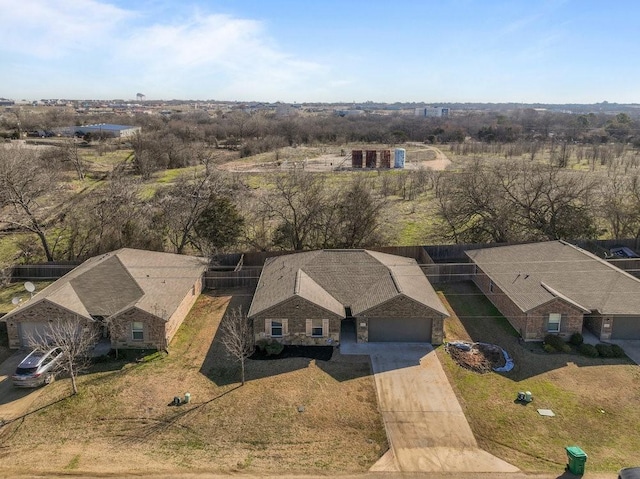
630	346
425	425
14	402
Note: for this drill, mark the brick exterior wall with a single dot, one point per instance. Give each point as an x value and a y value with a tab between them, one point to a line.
570	322
401	307
532	326
297	311
154	336
40	312
599	325
516	317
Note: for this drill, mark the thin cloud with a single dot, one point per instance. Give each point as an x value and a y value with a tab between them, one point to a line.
41	28
230	54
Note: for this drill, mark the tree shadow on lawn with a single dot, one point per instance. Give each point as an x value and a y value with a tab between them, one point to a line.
223	369
484	323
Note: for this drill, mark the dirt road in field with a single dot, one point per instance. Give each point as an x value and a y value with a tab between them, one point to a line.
428	157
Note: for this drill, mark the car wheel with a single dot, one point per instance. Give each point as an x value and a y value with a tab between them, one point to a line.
49	379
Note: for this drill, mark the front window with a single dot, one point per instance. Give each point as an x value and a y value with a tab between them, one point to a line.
316	327
276	328
137	331
553	326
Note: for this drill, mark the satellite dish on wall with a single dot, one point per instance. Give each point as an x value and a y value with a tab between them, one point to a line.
29	286
15	301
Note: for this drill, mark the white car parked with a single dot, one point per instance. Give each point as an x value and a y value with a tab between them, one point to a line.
37	368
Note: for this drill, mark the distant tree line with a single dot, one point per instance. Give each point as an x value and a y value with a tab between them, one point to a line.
516	182
252	132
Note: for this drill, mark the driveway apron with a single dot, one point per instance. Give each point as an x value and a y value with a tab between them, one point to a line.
425	425
14	402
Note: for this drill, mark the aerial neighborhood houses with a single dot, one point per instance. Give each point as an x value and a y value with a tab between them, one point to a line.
138	299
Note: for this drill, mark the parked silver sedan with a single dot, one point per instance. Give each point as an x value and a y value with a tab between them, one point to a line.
37	368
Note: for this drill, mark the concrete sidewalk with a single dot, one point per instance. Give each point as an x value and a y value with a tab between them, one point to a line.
425	425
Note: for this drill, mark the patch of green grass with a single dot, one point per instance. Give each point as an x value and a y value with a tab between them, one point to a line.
592	398
16	290
74	463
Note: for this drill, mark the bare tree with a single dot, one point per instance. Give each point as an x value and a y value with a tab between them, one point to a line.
237	337
24	179
110	217
183	205
512	201
296	203
76	338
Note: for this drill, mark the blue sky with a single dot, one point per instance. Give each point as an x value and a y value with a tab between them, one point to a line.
553	51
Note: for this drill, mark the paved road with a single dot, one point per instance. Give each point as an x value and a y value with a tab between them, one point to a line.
368	475
425	425
14	402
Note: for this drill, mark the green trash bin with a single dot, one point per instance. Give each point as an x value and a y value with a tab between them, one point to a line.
577	459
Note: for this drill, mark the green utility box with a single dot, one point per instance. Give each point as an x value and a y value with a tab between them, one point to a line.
577	459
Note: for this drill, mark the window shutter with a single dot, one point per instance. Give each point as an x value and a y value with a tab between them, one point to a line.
309	326
285	327
325	327
267	327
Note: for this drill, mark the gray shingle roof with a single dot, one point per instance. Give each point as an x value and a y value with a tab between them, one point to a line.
533	274
334	279
152	281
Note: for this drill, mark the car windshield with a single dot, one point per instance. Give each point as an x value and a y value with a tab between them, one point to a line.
25	371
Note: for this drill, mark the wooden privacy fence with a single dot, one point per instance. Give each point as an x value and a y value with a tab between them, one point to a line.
631	265
440	263
42	271
247	277
448	272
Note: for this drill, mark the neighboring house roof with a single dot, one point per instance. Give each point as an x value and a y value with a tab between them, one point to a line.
534	274
104	285
335	279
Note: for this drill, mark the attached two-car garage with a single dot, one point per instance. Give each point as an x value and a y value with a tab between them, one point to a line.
625	327
414	330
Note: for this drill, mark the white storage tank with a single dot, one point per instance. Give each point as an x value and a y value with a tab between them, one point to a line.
399	156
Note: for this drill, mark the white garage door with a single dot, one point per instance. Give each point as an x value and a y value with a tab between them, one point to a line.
31	330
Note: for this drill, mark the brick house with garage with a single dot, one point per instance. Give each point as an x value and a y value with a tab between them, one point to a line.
144	295
305	298
555	287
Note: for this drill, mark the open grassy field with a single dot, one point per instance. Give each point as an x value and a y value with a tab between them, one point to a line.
596	401
121	421
16	290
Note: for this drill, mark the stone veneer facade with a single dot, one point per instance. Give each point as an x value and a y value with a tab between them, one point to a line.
298	310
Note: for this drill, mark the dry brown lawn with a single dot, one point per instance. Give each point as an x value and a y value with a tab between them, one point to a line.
596	401
121	421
